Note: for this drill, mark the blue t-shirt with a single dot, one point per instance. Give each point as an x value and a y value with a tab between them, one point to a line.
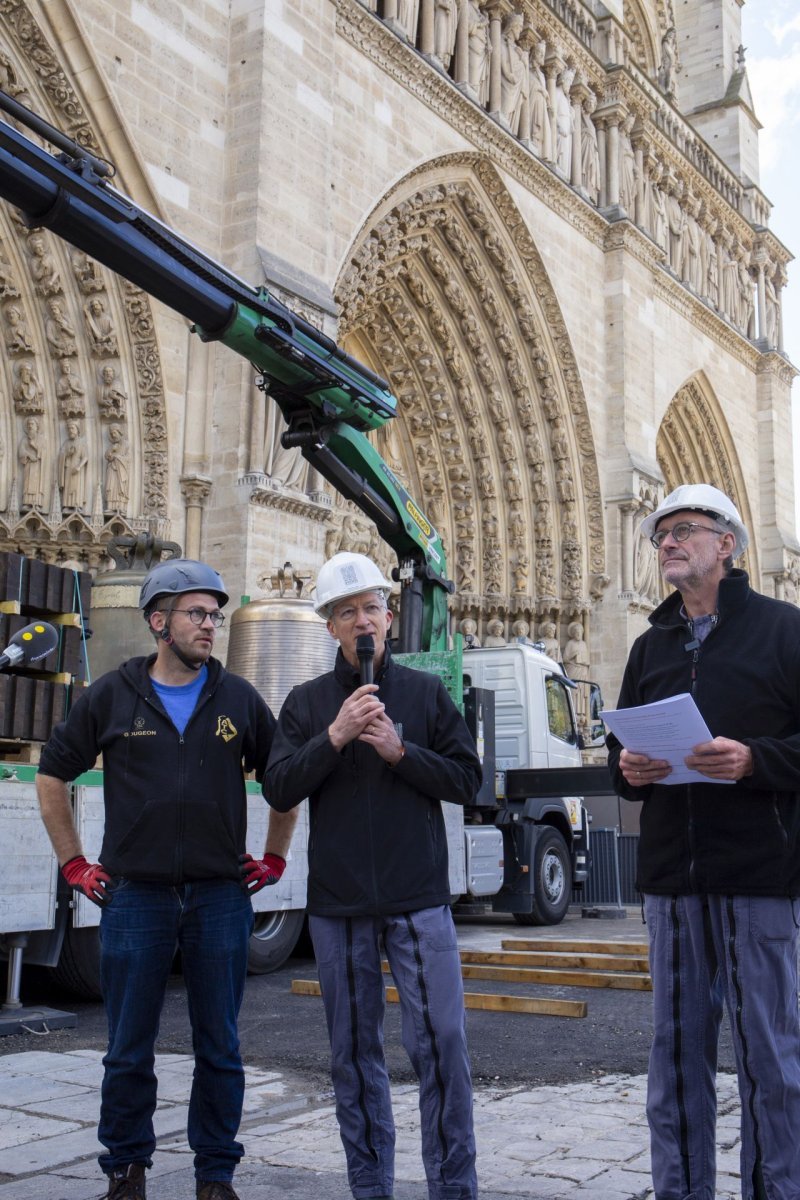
180	701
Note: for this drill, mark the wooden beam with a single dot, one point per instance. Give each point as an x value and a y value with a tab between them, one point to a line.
533	958
576	947
490	1002
589	979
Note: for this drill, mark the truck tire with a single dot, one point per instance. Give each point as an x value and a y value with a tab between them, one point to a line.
552	881
78	968
274	937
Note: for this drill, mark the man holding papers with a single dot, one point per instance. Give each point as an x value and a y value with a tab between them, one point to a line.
719	866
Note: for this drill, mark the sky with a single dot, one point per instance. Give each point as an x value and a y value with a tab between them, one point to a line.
771	36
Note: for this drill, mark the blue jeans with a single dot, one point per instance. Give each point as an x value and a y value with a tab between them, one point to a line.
211	921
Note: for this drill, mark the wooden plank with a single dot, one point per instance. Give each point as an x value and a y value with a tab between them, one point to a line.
70	618
9	606
532	958
575	946
590	979
488	1002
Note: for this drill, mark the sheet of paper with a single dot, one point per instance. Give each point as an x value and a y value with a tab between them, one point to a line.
667	729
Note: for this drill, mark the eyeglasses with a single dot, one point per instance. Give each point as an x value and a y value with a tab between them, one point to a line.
198	615
682	532
349	613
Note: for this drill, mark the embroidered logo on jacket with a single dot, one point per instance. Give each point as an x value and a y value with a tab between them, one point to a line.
225	728
139	729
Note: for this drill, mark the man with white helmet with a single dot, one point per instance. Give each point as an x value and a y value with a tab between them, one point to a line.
176	732
376	760
719	865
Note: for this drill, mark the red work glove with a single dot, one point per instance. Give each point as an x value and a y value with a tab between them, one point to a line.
89	878
257	873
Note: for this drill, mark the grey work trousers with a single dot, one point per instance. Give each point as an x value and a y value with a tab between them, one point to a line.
423	955
740	952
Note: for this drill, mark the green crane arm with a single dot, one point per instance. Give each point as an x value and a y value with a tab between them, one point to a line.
329	400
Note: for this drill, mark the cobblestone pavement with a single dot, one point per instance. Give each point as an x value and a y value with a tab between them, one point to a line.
550	1143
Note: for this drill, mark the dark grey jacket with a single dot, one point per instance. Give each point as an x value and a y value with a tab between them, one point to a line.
740	839
377	842
175	804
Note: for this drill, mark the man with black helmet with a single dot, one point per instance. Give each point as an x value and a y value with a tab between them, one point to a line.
176	732
719	858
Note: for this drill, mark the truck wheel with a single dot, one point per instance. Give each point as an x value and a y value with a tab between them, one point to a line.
274	937
78	968
552	881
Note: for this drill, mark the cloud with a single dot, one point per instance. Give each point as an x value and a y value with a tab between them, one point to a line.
780	31
775	84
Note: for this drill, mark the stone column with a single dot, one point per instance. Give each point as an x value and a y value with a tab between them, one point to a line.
462	45
495	64
626	540
258	416
426	31
639	215
603	156
612	161
390	11
195	490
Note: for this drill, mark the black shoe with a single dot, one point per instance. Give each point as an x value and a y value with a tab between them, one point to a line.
215	1189
127	1183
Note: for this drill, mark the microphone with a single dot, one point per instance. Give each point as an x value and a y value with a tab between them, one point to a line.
365	649
35	641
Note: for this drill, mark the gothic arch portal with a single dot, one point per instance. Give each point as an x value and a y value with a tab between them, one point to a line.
83	431
446	295
694	445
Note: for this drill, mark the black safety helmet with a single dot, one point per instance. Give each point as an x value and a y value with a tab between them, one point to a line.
177	576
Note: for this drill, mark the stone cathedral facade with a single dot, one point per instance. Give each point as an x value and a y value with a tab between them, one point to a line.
539	220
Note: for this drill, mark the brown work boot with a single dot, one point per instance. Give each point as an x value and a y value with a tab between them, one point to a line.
215	1189
127	1183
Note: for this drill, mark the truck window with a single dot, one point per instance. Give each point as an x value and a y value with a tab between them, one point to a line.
559	711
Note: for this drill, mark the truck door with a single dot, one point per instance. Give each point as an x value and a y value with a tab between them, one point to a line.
562	741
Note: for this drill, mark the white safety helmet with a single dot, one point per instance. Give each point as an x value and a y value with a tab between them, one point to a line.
347	574
701	497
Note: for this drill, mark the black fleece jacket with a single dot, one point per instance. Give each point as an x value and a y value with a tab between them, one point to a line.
377	841
740	839
175	805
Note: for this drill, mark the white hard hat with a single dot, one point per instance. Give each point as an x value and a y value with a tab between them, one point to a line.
347	574
701	497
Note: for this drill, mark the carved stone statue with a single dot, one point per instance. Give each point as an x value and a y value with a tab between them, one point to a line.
117	471
520	629
564	131
513	72
27	392
86	272
539	103
668	68
693	258
576	652
18	340
100	328
70	392
43	267
111	399
59	330
479	51
445	17
628	175
729	280
547	636
469	630
495	630
30	455
73	461
659	225
7	285
676	226
746	301
407	16
590	153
